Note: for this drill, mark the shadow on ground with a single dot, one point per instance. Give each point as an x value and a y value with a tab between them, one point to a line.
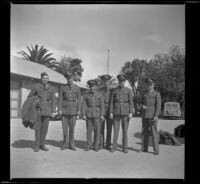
138	135
22	143
120	148
80	144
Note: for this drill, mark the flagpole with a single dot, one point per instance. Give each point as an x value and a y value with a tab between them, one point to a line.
108	63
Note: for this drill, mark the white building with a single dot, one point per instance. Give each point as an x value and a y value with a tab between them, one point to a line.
24	75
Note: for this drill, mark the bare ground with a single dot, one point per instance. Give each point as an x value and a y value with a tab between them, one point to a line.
25	163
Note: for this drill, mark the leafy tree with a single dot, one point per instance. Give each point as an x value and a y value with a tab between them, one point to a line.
135	72
38	55
169	72
68	64
167	69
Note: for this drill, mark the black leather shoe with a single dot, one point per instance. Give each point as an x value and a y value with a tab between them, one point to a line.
73	148
37	149
125	150
112	150
97	150
156	153
44	148
142	150
64	147
88	149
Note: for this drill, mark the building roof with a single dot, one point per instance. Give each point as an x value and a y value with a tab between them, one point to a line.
26	68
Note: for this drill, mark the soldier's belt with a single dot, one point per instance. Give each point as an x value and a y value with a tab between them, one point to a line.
121	102
45	100
69	100
94	106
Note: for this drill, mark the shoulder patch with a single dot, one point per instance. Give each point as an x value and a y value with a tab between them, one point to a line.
128	89
36	86
98	94
75	86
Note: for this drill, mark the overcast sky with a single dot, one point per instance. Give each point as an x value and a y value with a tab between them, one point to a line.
87	31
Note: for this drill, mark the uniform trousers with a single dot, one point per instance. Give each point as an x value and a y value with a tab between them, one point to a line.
68	123
150	126
93	124
124	123
109	124
41	131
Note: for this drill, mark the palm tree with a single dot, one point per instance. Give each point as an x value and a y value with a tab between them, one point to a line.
37	55
68	64
102	80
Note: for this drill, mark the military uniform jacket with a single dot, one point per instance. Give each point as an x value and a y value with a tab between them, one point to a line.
106	96
70	99
121	102
152	101
93	105
46	96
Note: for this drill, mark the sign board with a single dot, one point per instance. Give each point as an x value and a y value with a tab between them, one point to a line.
172	109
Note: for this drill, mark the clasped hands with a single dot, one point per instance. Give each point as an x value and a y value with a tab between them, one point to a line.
129	116
78	114
85	118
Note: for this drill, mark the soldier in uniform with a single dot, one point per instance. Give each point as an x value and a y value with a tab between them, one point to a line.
151	106
121	106
142	89
93	110
106	95
69	108
46	96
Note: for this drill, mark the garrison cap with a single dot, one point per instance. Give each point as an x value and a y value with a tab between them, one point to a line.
121	77
106	77
92	82
44	74
150	81
68	75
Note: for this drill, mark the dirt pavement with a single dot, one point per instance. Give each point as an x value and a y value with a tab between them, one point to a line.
25	163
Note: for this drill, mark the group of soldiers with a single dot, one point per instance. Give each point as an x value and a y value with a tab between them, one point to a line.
99	109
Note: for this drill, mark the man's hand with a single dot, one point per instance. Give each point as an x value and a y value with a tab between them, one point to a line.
155	118
84	117
130	116
78	114
102	118
133	111
53	114
144	106
111	115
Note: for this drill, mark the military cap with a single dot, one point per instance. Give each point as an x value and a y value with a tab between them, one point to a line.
150	81
68	74
121	77
92	82
106	77
44	74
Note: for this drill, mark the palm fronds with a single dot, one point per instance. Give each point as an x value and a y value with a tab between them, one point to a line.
38	55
